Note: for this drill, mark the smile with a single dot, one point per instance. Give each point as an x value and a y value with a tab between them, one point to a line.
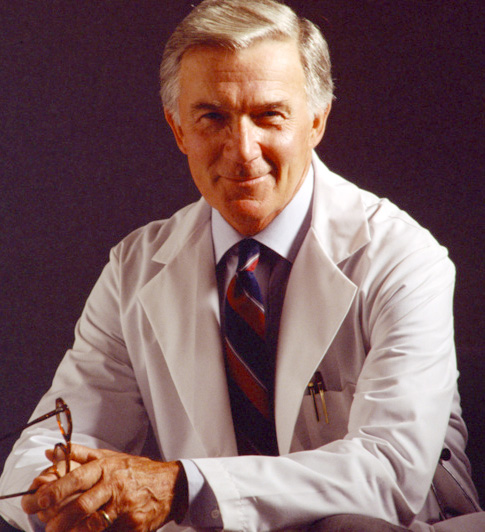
246	179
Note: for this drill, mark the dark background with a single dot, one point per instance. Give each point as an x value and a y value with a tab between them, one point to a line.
85	156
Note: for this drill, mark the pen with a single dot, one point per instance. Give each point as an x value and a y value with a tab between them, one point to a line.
314	386
321	390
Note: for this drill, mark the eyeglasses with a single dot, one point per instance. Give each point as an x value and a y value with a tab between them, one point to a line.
62	451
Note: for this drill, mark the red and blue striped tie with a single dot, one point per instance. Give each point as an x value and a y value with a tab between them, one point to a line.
250	365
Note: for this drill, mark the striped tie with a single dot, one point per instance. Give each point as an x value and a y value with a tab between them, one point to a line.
250	366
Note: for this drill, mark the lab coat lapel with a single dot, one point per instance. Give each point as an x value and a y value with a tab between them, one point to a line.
317	300
318	295
182	305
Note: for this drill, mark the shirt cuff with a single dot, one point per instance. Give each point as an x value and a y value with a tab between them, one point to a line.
203	509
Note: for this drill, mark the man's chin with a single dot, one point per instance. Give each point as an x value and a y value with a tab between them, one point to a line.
247	216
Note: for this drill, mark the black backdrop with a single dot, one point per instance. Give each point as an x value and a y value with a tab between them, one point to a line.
85	155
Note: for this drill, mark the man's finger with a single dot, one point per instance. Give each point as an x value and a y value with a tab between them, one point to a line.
100	520
29	502
79	480
46	515
83	512
80	453
83	454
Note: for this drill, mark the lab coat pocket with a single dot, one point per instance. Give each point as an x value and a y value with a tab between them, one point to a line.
312	429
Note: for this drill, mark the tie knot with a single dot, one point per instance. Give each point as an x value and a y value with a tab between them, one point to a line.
248	255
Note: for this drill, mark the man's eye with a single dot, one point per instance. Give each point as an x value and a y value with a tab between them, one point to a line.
213	117
270	117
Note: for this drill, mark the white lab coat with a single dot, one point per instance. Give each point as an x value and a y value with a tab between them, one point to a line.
368	304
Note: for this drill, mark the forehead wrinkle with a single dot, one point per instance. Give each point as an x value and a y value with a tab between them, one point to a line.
241	85
249	93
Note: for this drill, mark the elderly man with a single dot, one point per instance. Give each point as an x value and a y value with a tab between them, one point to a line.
288	337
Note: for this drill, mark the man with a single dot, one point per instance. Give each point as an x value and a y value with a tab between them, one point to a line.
354	380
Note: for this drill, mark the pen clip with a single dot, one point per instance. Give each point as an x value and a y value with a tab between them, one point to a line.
311	390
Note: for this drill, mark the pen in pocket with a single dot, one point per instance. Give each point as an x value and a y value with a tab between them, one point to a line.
317	386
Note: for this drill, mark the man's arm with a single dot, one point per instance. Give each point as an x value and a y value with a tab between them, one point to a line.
398	419
97	381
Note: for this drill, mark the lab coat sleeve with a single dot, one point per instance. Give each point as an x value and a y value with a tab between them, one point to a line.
384	465
97	381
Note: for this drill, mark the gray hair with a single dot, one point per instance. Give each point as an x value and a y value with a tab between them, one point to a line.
237	24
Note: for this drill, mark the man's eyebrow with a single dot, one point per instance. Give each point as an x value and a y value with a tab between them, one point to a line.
271	106
205	106
263	107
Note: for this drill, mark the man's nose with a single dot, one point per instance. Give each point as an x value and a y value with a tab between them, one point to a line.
243	141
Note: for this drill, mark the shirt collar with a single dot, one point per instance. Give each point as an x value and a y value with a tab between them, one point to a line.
283	235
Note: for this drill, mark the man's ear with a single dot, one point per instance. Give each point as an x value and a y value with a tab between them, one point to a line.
318	127
177	131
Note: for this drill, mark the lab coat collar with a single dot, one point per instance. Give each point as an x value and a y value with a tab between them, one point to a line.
338	218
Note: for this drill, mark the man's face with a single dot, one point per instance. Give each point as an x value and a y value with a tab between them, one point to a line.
246	129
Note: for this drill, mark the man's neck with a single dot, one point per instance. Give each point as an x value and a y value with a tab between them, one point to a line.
284	234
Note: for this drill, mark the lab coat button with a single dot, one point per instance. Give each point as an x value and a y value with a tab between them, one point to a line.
445	455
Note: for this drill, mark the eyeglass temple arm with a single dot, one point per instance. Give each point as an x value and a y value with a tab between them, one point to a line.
19	494
18	430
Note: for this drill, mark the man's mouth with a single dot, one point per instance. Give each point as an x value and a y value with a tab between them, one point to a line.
244	179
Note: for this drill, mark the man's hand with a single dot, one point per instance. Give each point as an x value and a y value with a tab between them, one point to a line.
136	493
